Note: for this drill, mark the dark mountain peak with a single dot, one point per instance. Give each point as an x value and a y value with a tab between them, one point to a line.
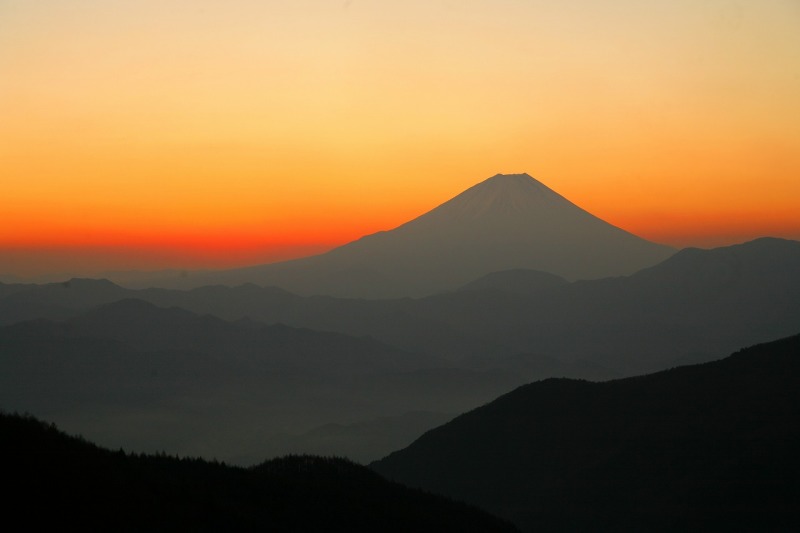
510	179
87	283
503	193
501	175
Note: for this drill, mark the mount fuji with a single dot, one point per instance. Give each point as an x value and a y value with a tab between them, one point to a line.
508	221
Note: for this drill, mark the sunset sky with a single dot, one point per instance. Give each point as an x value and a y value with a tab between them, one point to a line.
208	133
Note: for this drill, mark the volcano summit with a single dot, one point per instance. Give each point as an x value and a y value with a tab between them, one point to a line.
509	221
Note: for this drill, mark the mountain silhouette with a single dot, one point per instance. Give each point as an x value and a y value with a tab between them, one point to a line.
710	447
68	483
505	222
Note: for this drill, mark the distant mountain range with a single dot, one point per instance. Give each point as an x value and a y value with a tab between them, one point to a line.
132	374
58	482
505	222
697	305
711	447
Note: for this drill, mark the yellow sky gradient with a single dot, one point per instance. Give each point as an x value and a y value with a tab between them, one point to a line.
212	133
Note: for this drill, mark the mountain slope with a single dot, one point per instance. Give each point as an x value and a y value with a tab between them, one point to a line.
67	482
505	222
515	281
705	447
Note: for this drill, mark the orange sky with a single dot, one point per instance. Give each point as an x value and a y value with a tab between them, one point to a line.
195	134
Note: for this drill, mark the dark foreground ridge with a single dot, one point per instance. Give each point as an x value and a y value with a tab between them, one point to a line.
711	447
60	481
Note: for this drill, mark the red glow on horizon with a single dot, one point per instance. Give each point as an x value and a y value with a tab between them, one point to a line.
94	260
221	250
98	243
